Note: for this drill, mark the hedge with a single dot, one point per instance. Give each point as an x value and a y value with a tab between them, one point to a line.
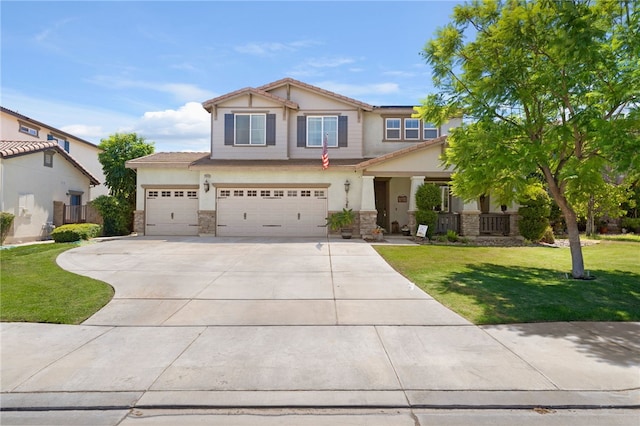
6	219
75	232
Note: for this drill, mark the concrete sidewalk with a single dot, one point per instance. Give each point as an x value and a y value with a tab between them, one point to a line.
214	323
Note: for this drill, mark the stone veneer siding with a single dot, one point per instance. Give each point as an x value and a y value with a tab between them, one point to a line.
470	224
207	222
513	224
138	221
367	223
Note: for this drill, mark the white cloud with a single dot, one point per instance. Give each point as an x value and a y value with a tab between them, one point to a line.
184	129
182	92
270	48
84	131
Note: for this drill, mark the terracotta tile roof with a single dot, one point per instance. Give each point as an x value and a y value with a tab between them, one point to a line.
10	149
166	159
211	102
422	145
294	82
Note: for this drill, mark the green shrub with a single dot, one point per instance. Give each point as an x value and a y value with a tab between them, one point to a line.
631	224
116	215
75	232
534	213
6	219
427	196
429	218
452	236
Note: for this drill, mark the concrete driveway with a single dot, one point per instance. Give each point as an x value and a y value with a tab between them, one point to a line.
215	322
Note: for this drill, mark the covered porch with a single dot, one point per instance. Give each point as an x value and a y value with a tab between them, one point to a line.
388	200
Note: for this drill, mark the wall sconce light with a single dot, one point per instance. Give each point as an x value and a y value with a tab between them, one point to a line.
206	185
347	184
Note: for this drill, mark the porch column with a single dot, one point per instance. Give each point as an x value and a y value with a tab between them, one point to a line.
470	219
368	212
416	181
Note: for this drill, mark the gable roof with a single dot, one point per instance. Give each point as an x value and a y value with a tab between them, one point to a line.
208	105
402	152
40	124
9	149
300	84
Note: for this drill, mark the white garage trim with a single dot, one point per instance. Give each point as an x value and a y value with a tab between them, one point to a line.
171	211
265	211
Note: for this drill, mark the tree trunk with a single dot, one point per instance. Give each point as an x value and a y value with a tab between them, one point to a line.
577	261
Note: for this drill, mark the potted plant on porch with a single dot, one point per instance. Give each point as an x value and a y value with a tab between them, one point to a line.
342	221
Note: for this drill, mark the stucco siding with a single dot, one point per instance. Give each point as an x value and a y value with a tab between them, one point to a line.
168	177
29	190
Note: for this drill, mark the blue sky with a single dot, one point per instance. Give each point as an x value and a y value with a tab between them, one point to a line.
96	68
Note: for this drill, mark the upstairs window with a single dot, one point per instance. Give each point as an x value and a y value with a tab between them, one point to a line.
411	128
392	128
251	129
318	127
430	131
28	129
64	144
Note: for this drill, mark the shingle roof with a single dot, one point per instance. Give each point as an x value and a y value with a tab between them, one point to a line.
166	159
9	149
211	102
294	82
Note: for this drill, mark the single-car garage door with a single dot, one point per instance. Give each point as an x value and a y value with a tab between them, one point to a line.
171	212
266	212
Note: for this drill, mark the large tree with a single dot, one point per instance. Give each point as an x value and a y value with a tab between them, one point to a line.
547	88
117	149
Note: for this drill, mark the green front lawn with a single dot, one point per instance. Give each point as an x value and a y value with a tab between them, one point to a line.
494	285
33	288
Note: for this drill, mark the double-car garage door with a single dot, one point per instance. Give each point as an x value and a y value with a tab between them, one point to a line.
243	211
266	212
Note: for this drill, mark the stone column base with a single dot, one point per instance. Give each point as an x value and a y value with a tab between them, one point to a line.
368	223
138	222
207	222
513	224
470	223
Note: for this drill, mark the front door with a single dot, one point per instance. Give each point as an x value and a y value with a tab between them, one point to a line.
381	188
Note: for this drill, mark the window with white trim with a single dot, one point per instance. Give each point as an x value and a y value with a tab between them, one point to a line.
430	131
166	193
318	127
411	128
29	130
238	193
192	194
392	128
250	129
152	194
64	144
225	192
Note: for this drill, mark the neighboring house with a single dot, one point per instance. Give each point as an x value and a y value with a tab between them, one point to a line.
35	176
17	127
264	174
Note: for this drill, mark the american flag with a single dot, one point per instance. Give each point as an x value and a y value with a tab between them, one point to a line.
325	152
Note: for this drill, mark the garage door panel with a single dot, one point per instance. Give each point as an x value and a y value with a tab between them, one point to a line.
171	212
271	212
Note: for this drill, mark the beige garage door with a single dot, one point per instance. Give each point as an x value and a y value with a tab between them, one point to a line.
171	212
267	212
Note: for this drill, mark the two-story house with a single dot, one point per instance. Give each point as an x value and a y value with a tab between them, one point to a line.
41	183
264	175
17	127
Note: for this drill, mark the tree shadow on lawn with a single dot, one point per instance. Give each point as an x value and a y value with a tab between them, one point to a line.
520	295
